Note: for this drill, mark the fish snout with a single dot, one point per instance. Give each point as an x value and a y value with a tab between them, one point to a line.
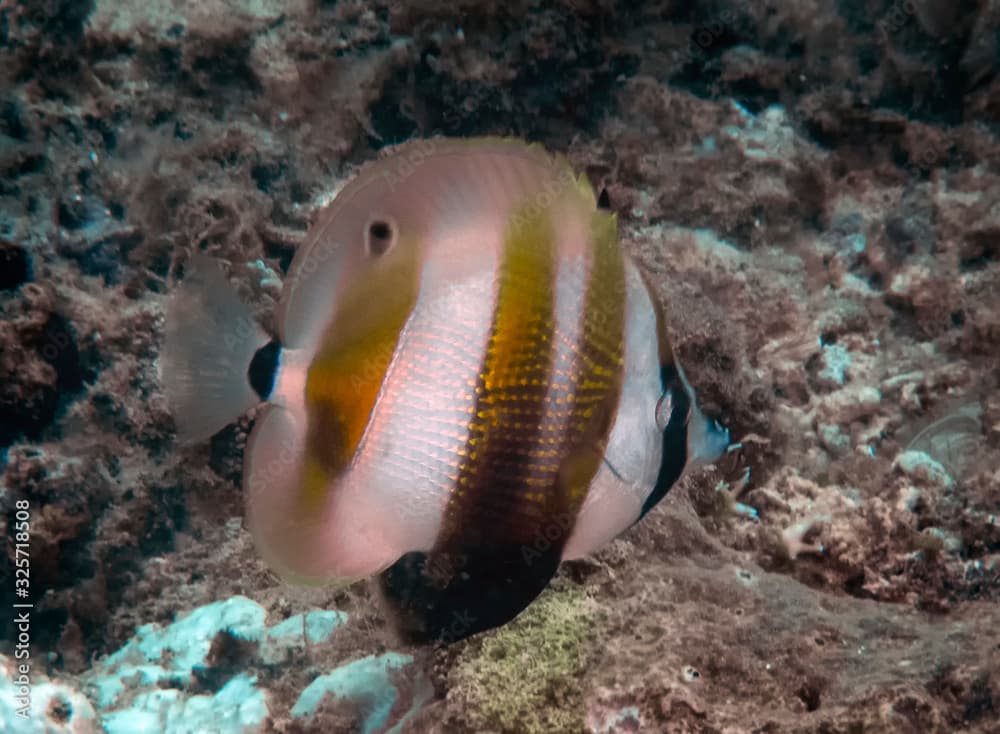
707	438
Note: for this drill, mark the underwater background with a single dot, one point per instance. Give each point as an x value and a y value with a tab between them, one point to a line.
814	189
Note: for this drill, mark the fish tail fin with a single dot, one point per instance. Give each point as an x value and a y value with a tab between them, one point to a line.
210	341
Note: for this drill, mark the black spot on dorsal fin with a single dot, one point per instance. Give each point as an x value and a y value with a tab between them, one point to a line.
604	200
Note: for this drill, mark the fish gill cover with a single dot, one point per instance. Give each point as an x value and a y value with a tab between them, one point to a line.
812	189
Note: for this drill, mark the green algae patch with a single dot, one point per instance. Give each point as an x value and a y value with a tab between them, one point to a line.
524	677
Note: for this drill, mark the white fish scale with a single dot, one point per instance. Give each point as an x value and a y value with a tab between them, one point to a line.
408	458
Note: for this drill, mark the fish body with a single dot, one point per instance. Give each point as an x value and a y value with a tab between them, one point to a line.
471	383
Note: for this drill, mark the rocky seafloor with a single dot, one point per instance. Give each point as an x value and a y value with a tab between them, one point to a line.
814	188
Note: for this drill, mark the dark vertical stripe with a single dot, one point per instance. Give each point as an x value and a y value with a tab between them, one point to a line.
529	459
510	463
488	564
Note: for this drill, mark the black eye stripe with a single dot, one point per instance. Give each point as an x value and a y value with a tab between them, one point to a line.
669	377
674	437
604	200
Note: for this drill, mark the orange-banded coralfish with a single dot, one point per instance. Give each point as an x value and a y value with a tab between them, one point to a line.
471	382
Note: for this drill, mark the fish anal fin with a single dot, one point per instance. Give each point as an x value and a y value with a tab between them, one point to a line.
450	595
307	527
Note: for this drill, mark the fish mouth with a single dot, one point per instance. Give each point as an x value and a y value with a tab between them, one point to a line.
719	437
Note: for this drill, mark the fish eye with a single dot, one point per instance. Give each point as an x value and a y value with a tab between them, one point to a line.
380	237
664	410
